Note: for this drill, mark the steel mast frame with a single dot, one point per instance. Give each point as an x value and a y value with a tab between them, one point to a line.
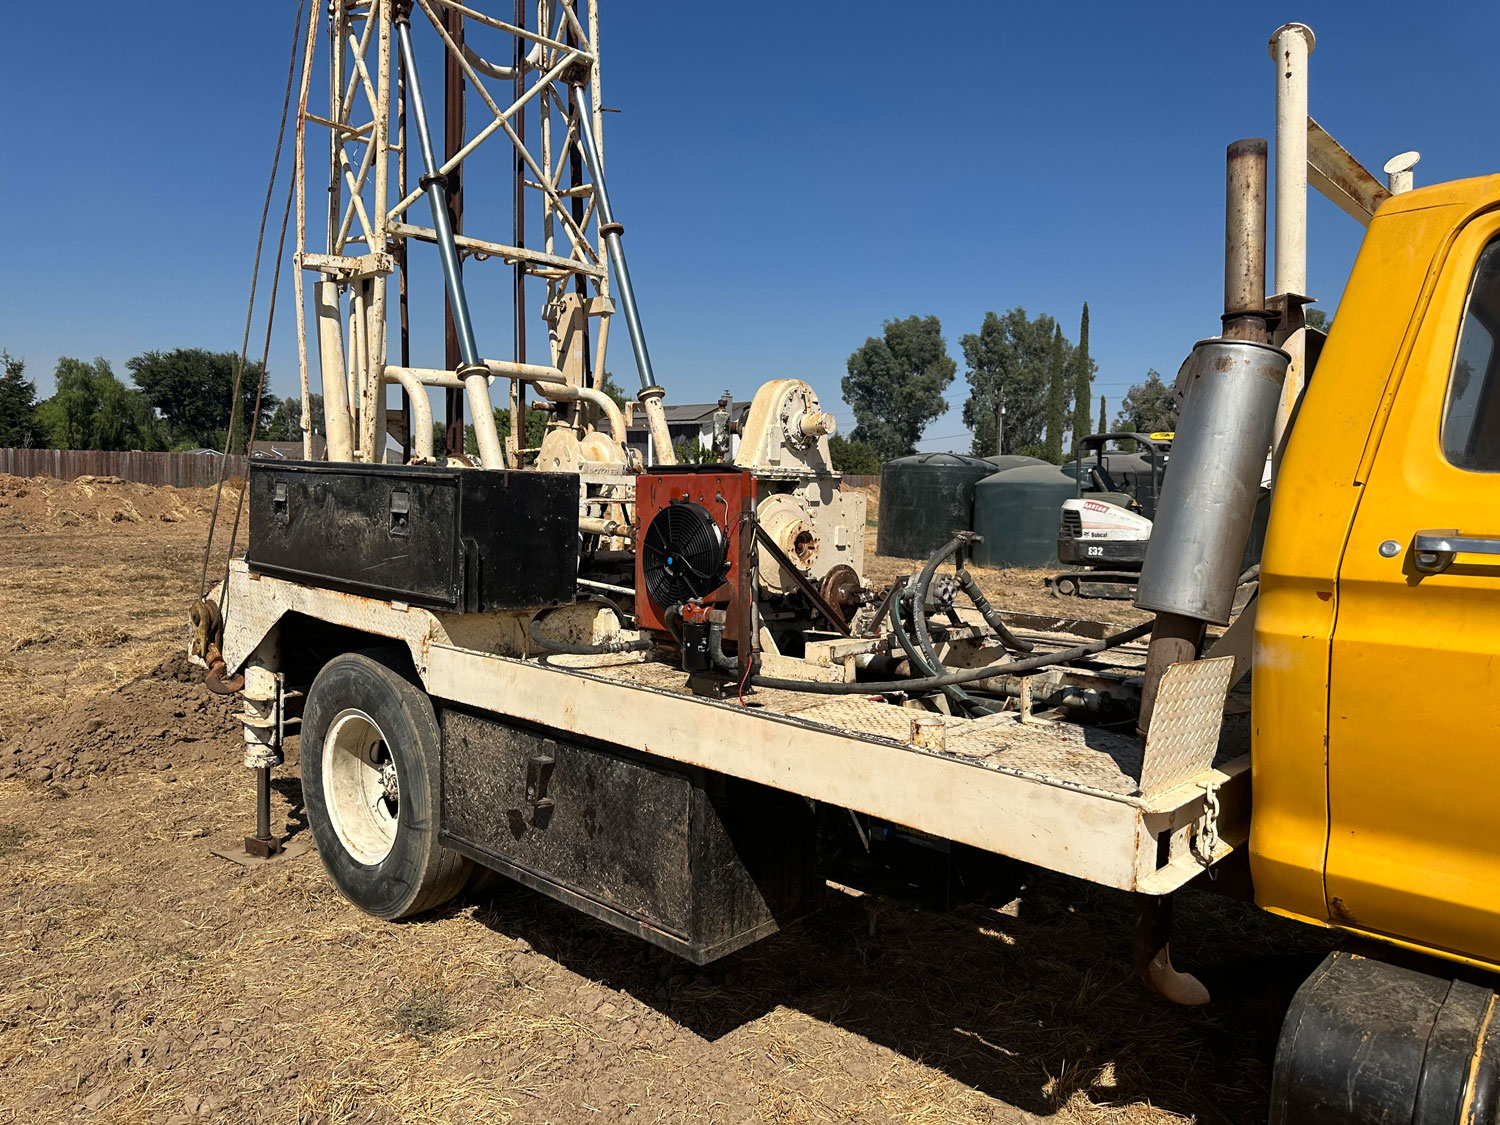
366	127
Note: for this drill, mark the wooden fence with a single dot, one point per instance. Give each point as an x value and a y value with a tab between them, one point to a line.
180	470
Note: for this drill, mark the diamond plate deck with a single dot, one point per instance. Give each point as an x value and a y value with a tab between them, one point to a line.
1184	735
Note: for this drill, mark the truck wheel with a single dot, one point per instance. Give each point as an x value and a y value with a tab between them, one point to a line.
370	783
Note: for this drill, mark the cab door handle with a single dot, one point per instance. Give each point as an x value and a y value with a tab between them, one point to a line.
1433	552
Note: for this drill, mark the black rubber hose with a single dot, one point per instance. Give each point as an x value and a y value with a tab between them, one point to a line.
898	630
716	652
964	676
934	665
991	617
918	660
604	648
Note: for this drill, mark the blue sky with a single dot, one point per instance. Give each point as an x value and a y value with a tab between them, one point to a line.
790	174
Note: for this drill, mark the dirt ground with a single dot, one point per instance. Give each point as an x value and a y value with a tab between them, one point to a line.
144	979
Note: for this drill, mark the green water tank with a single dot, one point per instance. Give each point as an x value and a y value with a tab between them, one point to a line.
924	499
1012	461
1018	512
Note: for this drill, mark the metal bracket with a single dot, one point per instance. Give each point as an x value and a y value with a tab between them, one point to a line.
538	775
812	592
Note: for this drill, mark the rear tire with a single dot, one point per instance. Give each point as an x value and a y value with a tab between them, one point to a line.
370	781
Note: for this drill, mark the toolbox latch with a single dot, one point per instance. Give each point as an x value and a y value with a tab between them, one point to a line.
400	513
538	776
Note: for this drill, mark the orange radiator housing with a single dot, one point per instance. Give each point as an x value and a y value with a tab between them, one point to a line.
727	495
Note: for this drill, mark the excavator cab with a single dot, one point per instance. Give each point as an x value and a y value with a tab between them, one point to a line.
1106	526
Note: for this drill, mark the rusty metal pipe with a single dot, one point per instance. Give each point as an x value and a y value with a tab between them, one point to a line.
1175	637
418	411
453	139
337	420
263	803
1245	240
220	684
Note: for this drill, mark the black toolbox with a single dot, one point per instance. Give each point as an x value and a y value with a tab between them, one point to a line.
459	540
688	859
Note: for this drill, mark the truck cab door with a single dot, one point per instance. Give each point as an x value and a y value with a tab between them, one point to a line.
1414	699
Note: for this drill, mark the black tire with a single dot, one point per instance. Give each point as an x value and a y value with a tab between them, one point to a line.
367	703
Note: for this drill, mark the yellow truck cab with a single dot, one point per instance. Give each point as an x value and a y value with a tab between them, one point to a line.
1374	769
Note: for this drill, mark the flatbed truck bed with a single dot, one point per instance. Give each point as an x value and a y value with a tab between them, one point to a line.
1060	795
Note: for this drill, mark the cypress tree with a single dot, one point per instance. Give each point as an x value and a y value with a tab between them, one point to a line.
1057	397
1083	380
1103	417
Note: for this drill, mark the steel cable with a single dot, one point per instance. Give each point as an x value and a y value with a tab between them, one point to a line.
260	238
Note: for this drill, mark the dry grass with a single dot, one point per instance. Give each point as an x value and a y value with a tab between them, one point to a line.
424	1011
12	836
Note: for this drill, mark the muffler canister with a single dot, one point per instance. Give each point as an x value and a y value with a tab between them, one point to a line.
1213	479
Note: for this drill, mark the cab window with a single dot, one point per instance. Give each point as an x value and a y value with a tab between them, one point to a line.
1471	419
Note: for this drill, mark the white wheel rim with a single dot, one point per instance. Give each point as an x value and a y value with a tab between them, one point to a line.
359	786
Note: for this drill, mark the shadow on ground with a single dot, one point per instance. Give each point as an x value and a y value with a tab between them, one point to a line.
1029	1002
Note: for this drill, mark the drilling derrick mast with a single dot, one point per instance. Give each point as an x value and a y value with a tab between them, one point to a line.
403	78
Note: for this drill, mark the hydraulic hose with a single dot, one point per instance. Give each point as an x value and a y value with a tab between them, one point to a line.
602	648
920	661
964	676
991	617
934	665
723	663
903	638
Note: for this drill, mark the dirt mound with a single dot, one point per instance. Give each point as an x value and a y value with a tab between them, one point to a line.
165	717
39	502
871	491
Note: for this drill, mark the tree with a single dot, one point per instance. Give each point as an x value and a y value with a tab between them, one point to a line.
856	457
1149	407
91	409
19	428
536	429
1057	396
1316	318
285	423
1082	382
694	453
612	389
1009	359
192	390
895	384
1103	416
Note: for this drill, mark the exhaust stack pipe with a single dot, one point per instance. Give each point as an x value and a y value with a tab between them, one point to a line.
1232	388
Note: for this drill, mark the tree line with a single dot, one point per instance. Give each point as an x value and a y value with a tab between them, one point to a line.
894	385
1030	390
177	400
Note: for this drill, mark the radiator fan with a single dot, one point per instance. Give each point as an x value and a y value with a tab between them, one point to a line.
684	554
